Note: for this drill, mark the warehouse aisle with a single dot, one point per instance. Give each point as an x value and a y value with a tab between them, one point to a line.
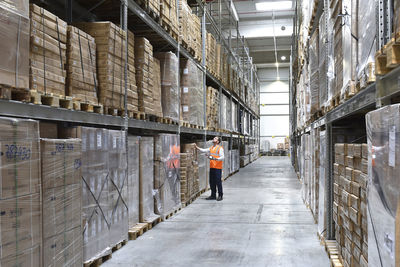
262	221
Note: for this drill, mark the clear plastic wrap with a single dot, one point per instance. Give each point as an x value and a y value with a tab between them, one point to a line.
203	171
226	162
62	197
157	88
104	212
234	117
235	160
314	71
146	179
167	173
223	111
192	100
383	186
20	192
14	49
321	195
169	85
322	75
133	180
366	39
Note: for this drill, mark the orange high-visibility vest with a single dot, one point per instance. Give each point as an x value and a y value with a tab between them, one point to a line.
214	152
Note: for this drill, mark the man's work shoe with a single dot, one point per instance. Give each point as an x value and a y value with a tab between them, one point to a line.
219	198
211	198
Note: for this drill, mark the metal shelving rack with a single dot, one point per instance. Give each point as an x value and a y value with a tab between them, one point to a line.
350	114
128	13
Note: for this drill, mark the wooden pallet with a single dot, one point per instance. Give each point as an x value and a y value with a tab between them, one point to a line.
169	215
191	199
348	92
88	107
119	245
99	261
165	24
169	121
138	230
153	222
333	253
152	13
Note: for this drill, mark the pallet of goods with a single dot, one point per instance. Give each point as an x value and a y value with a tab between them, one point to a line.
144	75
48	57
211	47
350	203
196	40
82	84
185	17
169	85
192	105
14	70
212	108
61	197
157	93
146	180
168	17
166	175
152	7
133	106
20	203
110	40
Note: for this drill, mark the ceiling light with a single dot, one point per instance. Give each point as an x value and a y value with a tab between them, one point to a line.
274	6
283	58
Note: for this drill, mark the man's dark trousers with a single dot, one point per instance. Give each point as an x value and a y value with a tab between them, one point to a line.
215	181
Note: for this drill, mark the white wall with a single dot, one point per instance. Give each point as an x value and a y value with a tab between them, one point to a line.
274	110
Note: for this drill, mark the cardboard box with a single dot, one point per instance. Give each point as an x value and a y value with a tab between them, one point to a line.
14	48
20	157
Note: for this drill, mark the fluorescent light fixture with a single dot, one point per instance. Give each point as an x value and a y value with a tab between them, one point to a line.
276	64
234	11
278	78
283	58
274	6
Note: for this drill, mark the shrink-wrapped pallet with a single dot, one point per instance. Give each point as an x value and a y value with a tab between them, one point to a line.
222	112
20	193
81	81
61	198
226	161
321	195
383	189
212	107
366	41
203	171
145	75
47	52
166	173
192	99
146	179
104	213
314	71
14	48
169	85
111	60
118	186
157	88
133	180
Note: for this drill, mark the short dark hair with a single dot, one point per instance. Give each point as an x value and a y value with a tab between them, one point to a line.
219	139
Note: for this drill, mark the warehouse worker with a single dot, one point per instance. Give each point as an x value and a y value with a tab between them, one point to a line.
216	156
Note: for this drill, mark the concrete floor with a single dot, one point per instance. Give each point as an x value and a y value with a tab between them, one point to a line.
262	221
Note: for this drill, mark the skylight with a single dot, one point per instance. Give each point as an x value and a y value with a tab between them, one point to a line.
274	6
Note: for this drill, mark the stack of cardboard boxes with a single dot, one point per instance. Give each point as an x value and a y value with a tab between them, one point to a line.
192	104
350	203
185	17
47	52
157	88
211	51
110	40
168	15
170	92
20	193
196	41
144	74
189	172
134	104
82	82
212	108
14	28
61	196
